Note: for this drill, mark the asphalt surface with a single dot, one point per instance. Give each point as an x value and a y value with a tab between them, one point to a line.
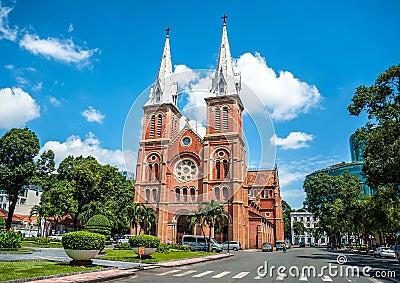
255	266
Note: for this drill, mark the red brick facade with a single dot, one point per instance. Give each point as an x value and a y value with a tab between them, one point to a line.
177	170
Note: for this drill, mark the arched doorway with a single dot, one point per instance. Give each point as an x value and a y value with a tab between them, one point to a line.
182	225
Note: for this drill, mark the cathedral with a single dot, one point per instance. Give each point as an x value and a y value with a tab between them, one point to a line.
177	169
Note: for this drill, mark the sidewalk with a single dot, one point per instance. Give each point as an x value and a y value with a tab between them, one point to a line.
117	269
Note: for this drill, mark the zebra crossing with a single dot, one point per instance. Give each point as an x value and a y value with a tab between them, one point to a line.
211	274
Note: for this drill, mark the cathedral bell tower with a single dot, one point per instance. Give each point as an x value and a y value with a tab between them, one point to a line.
224	152
160	125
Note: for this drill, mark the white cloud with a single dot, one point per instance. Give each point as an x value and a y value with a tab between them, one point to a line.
37	87
294	140
285	95
5	31
60	50
17	108
9	67
54	101
93	115
70	28
90	146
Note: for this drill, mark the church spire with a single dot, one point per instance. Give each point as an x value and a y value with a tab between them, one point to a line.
225	81
164	90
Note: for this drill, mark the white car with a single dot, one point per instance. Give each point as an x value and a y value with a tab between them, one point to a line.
124	239
233	245
55	236
384	252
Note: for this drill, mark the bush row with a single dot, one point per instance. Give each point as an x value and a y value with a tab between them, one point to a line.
83	240
10	240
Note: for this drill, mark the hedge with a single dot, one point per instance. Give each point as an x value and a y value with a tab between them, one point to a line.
99	224
146	241
10	239
2	223
83	240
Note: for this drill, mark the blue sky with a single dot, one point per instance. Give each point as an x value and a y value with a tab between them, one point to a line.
76	67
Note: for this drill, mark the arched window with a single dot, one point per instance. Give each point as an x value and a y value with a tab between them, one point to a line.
192	194
159	125
177	195
226	168
147	195
225	193
217	119
150	171
218	168
225	117
154	195
184	191
156	173
217	193
152	125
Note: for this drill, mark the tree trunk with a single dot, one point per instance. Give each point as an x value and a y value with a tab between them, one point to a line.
76	222
11	210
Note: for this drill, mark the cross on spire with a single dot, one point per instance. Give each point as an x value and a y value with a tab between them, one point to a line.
224	17
167	30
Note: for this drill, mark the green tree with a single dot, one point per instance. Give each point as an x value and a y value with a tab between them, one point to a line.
333	199
213	217
286	209
149	218
298	228
134	214
18	148
58	201
380	137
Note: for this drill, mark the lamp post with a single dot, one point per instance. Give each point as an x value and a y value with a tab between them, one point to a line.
229	224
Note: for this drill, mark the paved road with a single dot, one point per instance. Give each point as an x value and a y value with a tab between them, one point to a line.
253	266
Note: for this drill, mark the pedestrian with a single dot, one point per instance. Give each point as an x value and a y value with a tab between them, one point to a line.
284	248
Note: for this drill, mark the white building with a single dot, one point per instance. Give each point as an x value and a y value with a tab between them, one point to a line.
310	222
21	221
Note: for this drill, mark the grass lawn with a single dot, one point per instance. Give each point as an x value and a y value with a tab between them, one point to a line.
31	269
129	255
19	251
27	243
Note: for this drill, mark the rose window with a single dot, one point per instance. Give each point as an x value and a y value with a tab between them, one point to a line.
185	170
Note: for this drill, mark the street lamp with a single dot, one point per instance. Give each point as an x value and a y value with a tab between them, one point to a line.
229	223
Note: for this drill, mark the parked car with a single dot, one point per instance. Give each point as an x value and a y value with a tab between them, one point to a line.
302	245
124	239
55	236
384	252
279	245
267	247
196	243
288	244
233	245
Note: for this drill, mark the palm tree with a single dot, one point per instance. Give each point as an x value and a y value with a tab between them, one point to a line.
133	213
149	217
196	218
214	217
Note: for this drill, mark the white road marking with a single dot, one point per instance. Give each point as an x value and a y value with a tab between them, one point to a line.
258	277
185	273
203	274
375	280
240	275
326	278
222	274
169	272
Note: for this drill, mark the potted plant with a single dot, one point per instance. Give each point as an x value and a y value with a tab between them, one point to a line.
150	243
82	245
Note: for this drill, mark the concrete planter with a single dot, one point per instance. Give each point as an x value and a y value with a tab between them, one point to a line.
147	251
81	254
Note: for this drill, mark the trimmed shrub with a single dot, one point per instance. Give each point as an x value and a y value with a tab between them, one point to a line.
2	223
146	241
165	248
122	246
10	240
83	240
99	224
